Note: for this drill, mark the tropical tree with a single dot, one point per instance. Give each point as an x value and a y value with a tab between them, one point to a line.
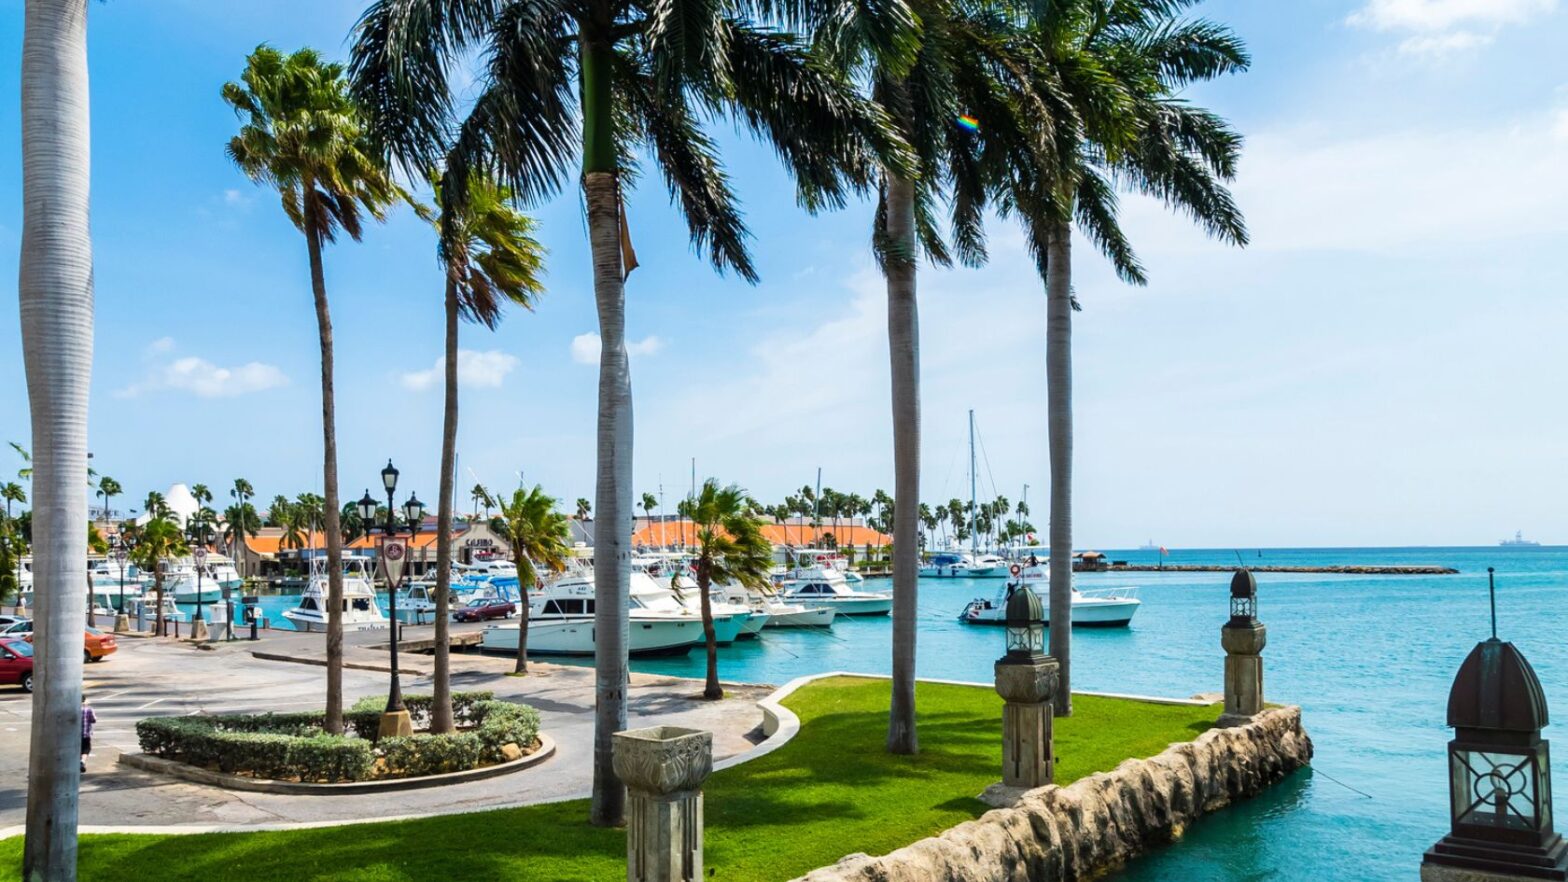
12	492
490	257
627	78
351	523
731	550
161	538
108	488
240	522
26	471
55	294
201	493
302	134
242	492
278	511
155	505
481	496
540	537
1112	73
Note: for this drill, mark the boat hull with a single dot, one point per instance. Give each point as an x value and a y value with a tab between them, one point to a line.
1116	613
314	624
818	617
575	637
851	606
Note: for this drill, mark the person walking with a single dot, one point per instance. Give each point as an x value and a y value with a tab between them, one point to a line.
89	719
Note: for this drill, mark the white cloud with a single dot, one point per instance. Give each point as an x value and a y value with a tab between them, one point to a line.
1440	15
204	379
483	370
160	345
236	198
585	347
1439	45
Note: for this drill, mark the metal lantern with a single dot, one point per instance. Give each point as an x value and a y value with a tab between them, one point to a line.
1026	623
1499	770
1243	599
367	509
389	478
414	510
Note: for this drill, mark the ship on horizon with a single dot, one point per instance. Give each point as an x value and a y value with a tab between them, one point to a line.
1519	541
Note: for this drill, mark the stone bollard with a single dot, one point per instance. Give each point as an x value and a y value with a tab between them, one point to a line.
1030	691
199	631
1243	638
663	769
122	623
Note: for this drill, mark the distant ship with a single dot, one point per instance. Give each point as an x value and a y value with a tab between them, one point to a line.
1519	541
1149	546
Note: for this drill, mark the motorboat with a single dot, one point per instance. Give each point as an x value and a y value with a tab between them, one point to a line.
688	595
561	621
190	582
826	587
1099	608
360	610
779	614
959	565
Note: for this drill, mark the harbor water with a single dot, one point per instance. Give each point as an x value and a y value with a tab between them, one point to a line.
1369	659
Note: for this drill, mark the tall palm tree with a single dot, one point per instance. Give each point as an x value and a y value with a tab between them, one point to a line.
649	503
540	537
161	538
1111	73
584	507
278	511
155	505
302	134
623	79
12	492
55	292
240	522
478	494
243	492
201	493
490	257
731	549
108	488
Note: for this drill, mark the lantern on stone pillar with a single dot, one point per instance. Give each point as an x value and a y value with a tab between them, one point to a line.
1025	628
1499	775
1243	599
1243	638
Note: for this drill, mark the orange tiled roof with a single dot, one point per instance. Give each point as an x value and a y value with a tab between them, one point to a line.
661	533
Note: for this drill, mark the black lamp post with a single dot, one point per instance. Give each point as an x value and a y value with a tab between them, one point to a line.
1499	773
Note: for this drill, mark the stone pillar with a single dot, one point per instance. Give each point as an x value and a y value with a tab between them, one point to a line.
1028	759
122	623
1243	671
663	769
199	630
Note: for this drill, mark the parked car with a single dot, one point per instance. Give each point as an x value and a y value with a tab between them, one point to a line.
95	645
7	621
483	609
16	663
18	628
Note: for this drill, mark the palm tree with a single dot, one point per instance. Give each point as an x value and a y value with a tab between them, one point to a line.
240	522
55	292
108	488
278	512
540	537
649	503
731	549
478	494
12	492
242	493
490	257
626	78
1112	72
584	507
303	135
155	505
161	539
201	493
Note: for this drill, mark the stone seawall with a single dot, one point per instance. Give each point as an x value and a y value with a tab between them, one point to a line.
1097	823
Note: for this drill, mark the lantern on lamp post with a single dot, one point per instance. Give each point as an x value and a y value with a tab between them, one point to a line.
1243	638
1027	680
1499	774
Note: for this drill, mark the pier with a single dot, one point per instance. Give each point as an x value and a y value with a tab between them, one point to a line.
1345	570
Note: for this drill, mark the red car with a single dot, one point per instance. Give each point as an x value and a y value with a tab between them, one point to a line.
16	663
483	609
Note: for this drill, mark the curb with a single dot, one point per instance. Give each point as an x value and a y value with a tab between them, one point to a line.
175	769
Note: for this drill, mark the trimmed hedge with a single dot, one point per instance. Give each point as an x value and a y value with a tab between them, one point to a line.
294	745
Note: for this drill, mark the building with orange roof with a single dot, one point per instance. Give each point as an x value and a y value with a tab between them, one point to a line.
672	533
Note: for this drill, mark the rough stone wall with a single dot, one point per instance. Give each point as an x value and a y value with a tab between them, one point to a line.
1099	822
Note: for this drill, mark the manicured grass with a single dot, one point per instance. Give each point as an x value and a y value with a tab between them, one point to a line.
830	791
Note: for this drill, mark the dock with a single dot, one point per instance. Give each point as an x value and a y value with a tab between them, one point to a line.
1343	570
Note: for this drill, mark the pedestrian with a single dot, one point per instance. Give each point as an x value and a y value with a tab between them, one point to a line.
89	719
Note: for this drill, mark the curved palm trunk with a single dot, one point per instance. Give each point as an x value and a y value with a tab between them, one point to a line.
711	690
612	496
1059	417
329	437
158	624
525	578
56	301
441	711
903	335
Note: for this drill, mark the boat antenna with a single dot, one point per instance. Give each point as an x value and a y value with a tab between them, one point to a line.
974	540
1491	590
1238	557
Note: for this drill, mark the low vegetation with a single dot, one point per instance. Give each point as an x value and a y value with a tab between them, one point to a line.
295	746
830	791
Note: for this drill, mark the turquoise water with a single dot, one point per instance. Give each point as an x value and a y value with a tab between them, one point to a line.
1369	659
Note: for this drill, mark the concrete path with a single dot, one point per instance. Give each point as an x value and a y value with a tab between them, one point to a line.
150	677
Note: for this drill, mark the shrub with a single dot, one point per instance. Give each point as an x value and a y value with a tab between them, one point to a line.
502	723
364	718
430	754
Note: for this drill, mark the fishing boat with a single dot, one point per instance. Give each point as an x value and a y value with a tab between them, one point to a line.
561	621
826	587
958	565
1100	608
778	614
190	582
360	610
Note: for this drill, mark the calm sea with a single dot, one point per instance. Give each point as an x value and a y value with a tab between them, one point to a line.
1369	659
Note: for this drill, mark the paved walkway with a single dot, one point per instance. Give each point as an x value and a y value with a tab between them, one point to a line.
150	677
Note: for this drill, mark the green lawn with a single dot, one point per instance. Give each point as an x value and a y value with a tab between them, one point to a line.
830	791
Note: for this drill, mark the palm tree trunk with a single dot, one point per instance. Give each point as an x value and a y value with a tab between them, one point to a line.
903	335
613	487
525	577
1059	418
329	446
711	690
56	301
441	711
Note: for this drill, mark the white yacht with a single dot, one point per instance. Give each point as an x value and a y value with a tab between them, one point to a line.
826	587
217	573
1102	608
360	610
778	613
960	565
684	589
561	621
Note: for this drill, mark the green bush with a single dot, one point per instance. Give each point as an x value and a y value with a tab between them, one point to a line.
422	755
501	723
364	718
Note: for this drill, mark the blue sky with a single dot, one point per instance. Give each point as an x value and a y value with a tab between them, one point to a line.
1382	366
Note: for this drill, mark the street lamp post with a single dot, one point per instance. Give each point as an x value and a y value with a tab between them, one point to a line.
414	514
395	720
122	622
199	558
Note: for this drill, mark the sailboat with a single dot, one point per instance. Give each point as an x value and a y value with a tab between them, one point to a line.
956	564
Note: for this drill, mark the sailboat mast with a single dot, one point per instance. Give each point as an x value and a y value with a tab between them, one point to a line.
974	536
